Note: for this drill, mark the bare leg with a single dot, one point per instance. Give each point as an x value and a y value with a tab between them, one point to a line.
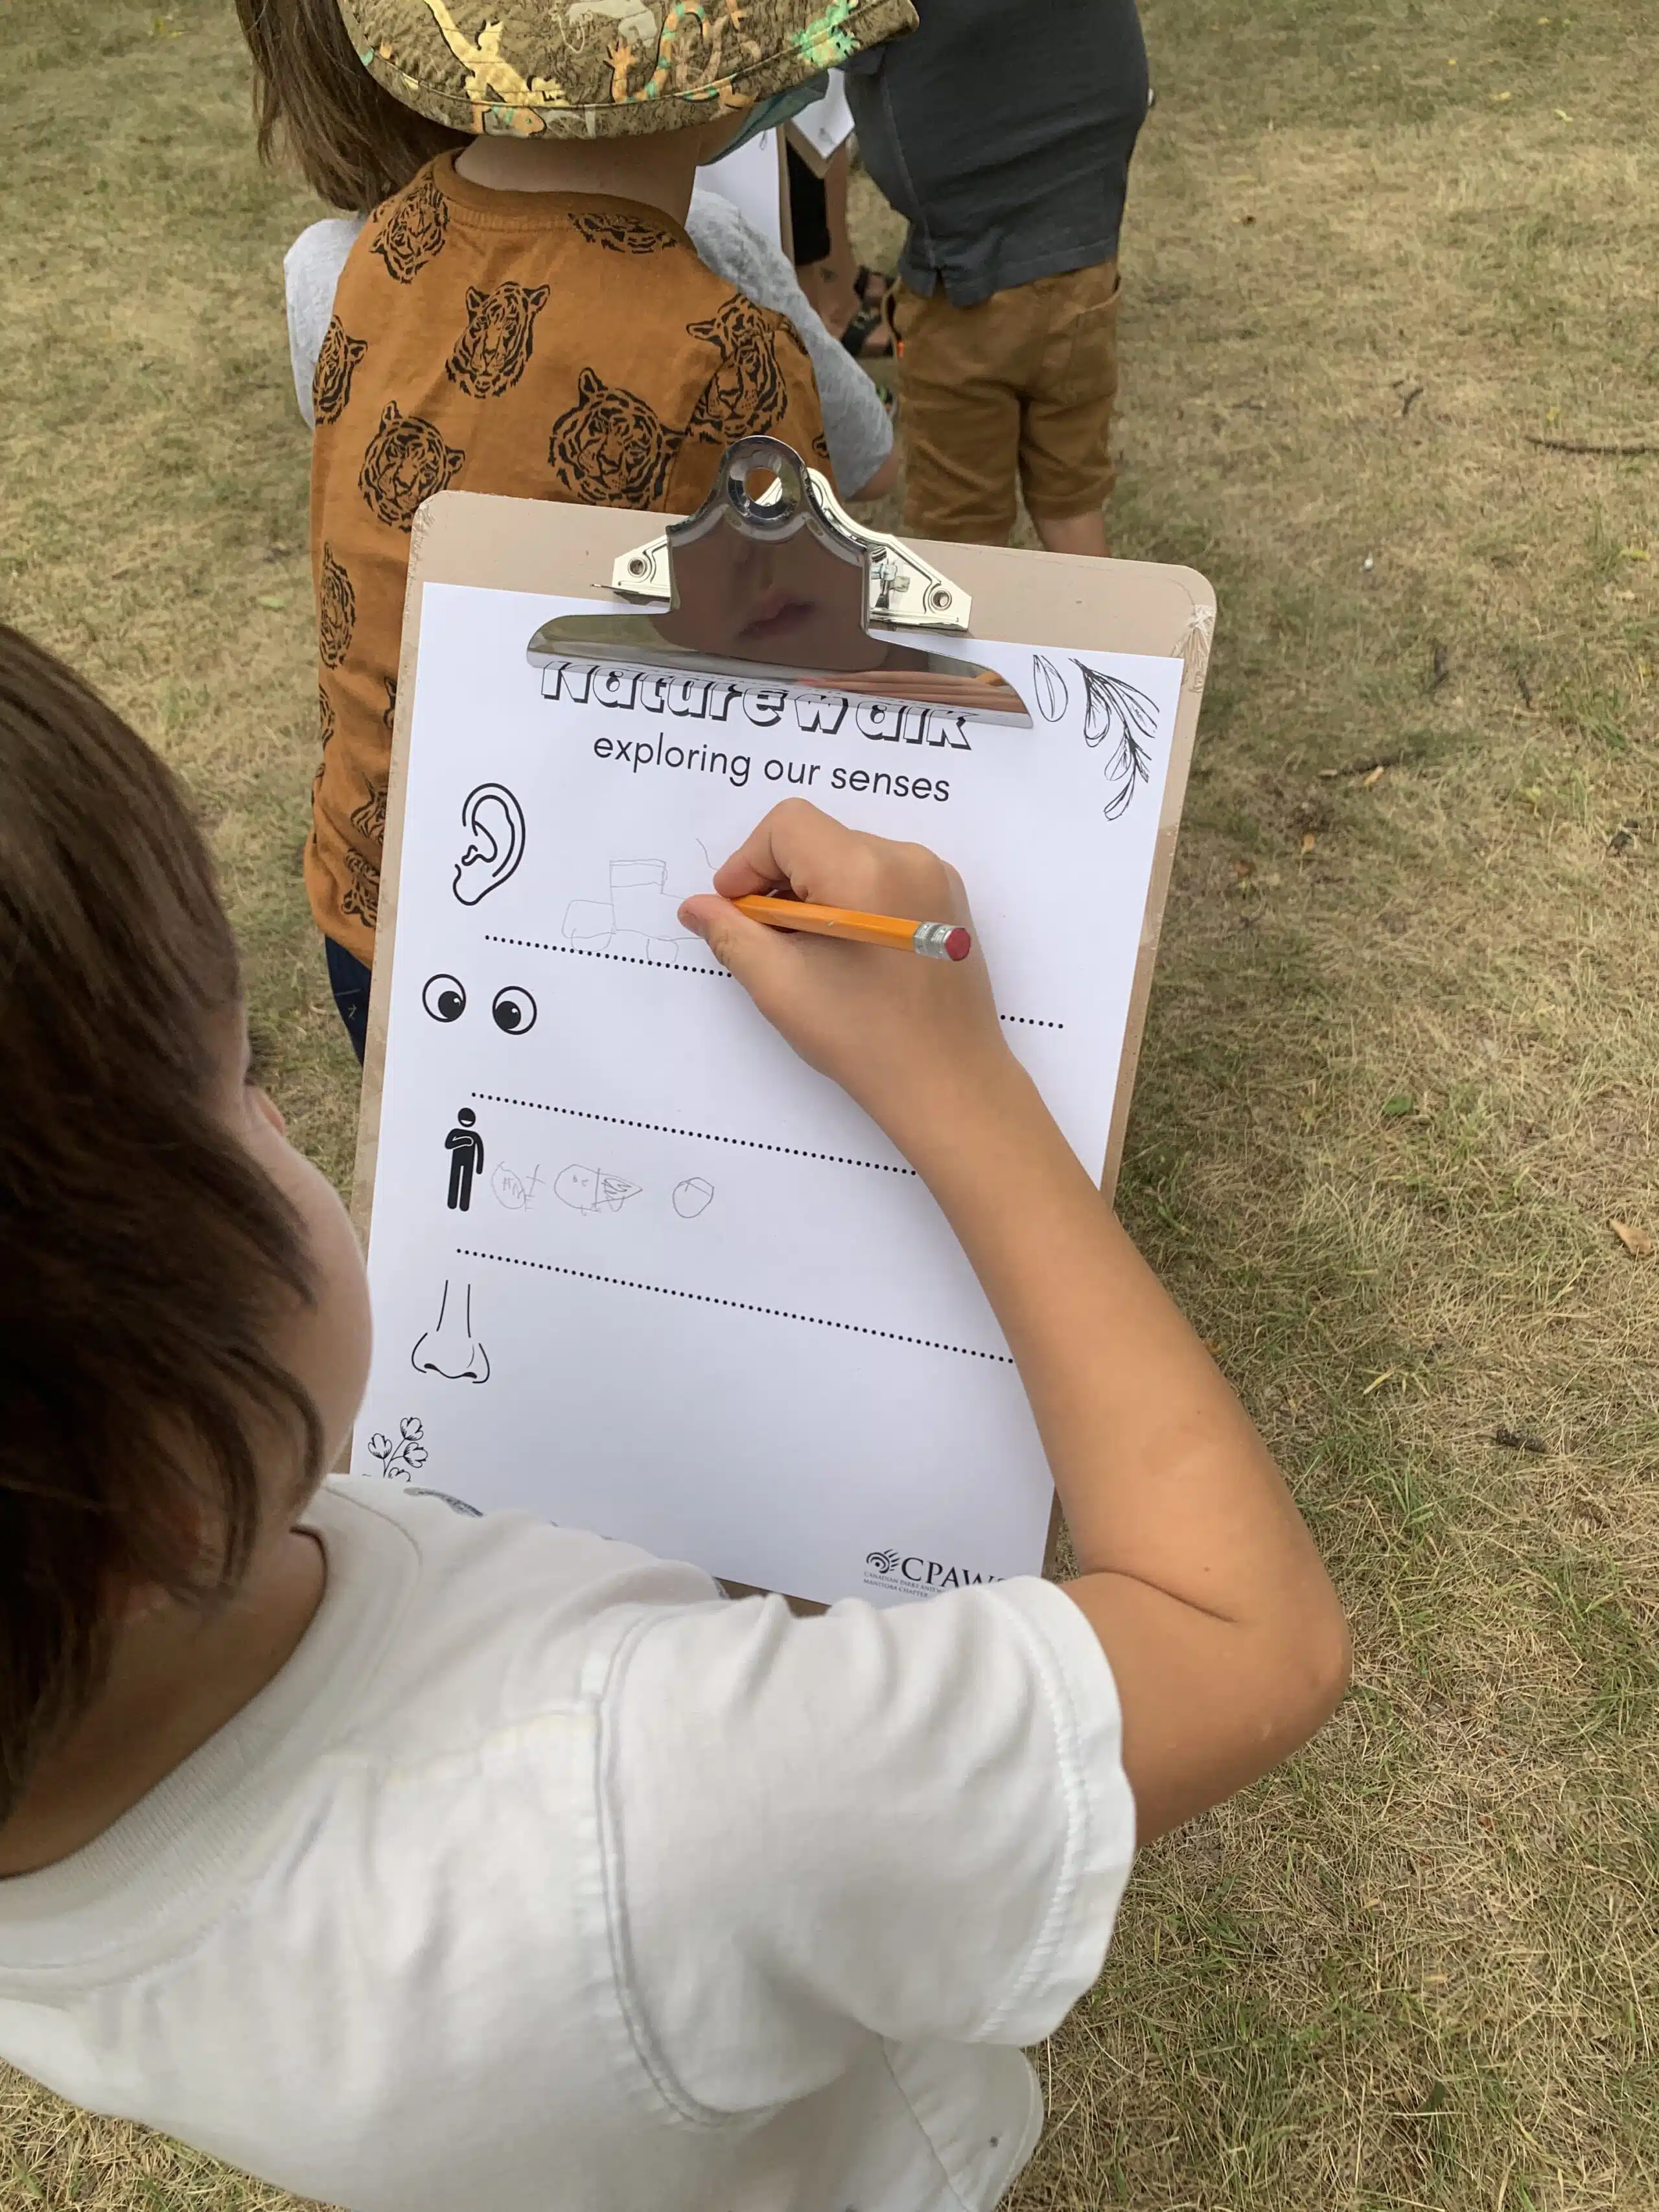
1074	533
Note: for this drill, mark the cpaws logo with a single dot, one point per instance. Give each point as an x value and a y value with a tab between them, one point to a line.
917	1575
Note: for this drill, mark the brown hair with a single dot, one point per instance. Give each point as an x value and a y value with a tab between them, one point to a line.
355	144
145	1255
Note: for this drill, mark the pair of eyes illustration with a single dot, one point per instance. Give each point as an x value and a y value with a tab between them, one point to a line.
513	1010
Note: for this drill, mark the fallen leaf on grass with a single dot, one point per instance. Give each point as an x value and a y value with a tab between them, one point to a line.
273	601
1639	1242
1400	1104
1623	837
1369	782
1518	1440
1309	840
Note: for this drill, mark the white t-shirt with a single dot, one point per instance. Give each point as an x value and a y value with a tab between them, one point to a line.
855	424
544	1879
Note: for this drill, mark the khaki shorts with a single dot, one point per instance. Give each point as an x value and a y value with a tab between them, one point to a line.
1020	386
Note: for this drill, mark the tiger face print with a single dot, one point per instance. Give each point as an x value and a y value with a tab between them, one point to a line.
362	897
624	234
611	449
407	462
499	337
336	611
330	388
747	392
412	233
368	820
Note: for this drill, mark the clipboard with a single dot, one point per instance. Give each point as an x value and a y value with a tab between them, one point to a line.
922	606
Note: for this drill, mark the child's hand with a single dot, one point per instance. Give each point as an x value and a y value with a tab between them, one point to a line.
901	1034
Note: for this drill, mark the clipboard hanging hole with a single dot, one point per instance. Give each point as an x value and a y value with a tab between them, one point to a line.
765	486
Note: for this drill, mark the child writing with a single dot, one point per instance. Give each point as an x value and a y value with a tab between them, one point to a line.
526	316
413	1861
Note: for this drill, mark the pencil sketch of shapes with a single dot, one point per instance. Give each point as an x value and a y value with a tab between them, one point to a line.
514	1191
1048	687
443	998
400	1455
466	1159
590	1190
1113	708
449	1349
493	822
513	1010
692	1197
639	919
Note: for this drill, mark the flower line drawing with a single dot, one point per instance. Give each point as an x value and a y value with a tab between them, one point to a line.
399	1460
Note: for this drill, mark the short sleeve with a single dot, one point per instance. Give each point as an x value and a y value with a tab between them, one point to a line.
311	271
912	1823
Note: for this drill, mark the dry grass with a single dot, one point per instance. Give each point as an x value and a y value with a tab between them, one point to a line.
1397	1079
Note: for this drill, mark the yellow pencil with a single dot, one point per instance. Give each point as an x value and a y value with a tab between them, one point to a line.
934	941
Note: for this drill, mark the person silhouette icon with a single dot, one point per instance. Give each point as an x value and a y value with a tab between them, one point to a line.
466	1159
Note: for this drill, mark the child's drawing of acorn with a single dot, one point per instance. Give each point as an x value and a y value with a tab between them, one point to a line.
1050	685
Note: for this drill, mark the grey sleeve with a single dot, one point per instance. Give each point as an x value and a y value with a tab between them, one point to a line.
311	270
855	424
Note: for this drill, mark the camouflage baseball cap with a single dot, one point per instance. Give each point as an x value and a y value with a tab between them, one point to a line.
585	69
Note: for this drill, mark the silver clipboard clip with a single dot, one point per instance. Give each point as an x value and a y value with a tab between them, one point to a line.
771	578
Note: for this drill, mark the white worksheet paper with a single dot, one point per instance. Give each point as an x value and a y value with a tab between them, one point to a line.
634	1267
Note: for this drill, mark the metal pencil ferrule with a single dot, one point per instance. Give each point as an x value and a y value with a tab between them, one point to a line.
932	939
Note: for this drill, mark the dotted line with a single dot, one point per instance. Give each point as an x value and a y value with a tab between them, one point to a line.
629	959
667	1129
687	967
739	1305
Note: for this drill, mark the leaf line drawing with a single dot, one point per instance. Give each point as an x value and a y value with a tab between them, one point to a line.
399	1459
1053	699
1113	708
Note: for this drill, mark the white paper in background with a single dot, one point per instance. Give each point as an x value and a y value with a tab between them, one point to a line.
749	179
827	125
636	1268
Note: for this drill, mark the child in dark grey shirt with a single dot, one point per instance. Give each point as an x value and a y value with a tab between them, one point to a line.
1003	135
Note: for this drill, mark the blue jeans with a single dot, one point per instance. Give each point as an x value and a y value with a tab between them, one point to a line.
348	979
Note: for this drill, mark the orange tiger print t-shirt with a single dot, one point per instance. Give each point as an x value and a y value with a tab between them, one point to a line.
545	345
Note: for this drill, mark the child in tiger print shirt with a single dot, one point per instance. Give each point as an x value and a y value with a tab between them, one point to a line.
543	345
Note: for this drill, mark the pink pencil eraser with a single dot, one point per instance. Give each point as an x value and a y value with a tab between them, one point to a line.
958	945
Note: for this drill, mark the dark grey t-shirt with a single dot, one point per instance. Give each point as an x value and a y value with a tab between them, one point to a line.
1001	131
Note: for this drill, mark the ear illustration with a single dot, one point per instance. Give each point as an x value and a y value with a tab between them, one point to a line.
475	300
589	385
390	414
493	822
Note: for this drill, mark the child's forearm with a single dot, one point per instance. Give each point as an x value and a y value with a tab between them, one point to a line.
1225	1638
1195	1568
